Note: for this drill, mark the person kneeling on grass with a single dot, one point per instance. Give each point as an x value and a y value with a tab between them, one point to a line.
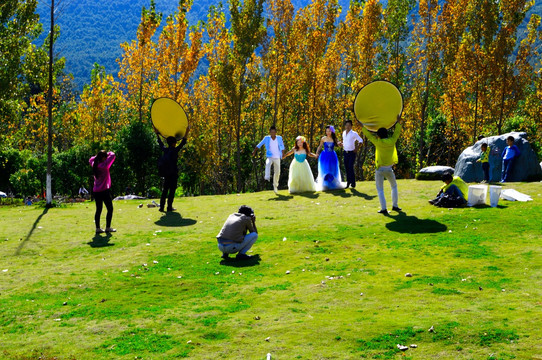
233	237
454	192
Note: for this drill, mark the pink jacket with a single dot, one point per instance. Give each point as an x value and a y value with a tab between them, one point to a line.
102	182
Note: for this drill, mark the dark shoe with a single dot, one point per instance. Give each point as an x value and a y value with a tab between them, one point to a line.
171	209
225	256
347	185
383	211
433	202
396	208
353	186
161	210
243	257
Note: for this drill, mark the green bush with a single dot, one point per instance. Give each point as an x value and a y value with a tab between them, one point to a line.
25	182
153	193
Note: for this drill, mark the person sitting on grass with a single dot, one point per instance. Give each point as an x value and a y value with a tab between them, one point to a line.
233	237
454	192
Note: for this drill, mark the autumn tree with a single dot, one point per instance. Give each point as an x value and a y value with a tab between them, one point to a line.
247	33
424	55
137	69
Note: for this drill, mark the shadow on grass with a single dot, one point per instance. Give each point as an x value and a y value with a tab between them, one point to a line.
101	240
280	197
486	206
412	225
353	192
309	195
253	261
29	235
174	219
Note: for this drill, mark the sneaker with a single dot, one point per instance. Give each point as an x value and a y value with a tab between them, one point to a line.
396	208
243	257
99	231
225	256
171	209
433	202
110	230
383	211
275	190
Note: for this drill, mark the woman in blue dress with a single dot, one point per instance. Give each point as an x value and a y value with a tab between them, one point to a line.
300	178
329	175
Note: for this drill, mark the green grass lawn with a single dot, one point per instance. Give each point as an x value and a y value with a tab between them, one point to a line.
330	282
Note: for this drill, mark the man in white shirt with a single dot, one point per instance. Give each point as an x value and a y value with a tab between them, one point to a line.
349	151
274	151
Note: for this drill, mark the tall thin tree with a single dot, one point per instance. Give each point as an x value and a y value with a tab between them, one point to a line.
50	109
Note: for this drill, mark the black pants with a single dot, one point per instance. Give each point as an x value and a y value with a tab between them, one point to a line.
170	185
101	198
485	167
349	160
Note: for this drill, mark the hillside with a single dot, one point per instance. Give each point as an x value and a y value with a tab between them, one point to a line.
91	31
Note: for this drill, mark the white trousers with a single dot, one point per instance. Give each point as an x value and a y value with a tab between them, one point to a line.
241	248
276	170
388	174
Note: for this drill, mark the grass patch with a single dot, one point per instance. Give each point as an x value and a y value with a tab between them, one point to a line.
329	281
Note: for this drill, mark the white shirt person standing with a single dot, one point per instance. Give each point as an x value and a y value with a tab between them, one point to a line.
349	152
274	151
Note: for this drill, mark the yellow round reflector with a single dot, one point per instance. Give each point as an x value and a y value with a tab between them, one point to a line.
169	118
377	105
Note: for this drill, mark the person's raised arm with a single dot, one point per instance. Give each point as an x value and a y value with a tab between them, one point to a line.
160	143
184	139
110	159
288	153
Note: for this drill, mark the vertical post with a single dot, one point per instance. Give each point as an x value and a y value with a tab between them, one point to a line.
50	107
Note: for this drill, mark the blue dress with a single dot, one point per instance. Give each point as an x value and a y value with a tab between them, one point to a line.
300	178
329	175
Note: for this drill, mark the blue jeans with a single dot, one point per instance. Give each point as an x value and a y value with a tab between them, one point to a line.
454	190
234	247
507	166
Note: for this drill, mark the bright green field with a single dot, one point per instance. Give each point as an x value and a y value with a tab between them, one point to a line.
69	295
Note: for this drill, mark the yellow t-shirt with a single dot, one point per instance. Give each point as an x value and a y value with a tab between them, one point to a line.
386	152
461	185
484	156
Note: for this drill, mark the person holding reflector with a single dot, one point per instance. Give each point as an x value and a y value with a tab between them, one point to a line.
170	121
378	107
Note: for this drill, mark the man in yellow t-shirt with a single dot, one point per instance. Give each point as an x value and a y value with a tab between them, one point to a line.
454	192
385	158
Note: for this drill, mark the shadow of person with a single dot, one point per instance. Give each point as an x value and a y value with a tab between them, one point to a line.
233	262
280	197
101	240
174	219
310	195
353	192
360	194
412	225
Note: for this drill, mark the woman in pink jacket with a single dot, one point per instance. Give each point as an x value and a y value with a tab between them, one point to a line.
102	185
